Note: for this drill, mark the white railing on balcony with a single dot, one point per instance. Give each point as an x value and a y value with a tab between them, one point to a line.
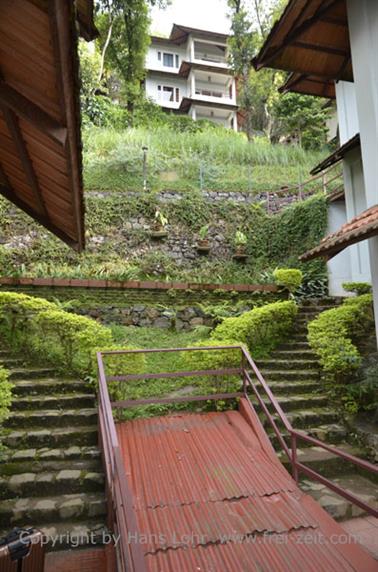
210	58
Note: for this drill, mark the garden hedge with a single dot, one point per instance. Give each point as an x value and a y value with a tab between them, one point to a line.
333	333
51	335
261	329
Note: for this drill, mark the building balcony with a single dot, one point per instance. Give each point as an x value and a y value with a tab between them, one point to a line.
213	96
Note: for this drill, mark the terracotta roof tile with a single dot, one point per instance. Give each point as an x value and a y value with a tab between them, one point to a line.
361	227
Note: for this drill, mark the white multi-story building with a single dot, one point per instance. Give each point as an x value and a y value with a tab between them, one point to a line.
188	73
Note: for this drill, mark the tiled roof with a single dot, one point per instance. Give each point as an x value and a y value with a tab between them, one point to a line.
360	228
210	495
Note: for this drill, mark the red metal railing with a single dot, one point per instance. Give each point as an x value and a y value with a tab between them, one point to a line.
121	516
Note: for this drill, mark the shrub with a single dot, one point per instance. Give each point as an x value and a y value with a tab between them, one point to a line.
5	394
121	364
358	288
333	334
289	278
50	334
261	329
217	359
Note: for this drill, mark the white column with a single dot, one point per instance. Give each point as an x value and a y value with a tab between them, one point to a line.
192	84
363	30
191	48
233	90
193	112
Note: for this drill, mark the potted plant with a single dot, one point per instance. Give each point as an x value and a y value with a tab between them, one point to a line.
203	245
240	242
159	227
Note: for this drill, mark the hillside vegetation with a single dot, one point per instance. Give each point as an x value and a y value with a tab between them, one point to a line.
193	159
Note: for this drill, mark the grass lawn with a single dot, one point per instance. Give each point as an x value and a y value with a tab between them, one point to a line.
168	362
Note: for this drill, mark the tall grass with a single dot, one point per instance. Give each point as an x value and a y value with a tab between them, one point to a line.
113	160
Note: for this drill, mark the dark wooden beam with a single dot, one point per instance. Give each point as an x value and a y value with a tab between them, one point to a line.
26	109
9	194
343	67
61	18
296	32
334	21
27	165
320	48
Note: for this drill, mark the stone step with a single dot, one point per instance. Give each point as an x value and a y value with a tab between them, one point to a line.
49	386
323	461
337	506
46	453
17	467
39	511
51	418
29	372
294	346
290	374
295	402
289	388
294	354
58	437
60	400
333	433
67	481
287	364
306	419
10	361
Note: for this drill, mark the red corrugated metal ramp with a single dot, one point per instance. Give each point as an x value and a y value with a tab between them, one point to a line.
211	496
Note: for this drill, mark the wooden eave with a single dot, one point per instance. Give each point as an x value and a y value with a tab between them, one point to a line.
311	38
309	85
40	140
187	102
187	66
337	155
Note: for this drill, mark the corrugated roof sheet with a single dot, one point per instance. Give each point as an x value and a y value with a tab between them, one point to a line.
361	227
211	496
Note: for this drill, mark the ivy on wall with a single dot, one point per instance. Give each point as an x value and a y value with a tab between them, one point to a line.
120	249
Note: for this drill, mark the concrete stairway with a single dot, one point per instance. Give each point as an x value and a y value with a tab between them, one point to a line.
50	470
294	375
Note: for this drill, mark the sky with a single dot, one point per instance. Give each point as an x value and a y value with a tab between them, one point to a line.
204	14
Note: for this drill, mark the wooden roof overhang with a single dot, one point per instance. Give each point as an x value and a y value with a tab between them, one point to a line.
40	141
309	85
360	228
187	102
311	40
186	66
337	155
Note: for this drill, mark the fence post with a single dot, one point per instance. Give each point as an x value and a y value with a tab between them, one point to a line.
145	149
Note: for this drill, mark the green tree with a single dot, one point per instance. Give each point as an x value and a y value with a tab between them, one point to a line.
124	28
302	117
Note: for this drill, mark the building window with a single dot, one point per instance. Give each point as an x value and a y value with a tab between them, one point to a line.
159	56
177	60
168	60
168	93
177	94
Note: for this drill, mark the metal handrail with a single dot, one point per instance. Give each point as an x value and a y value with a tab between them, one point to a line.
121	513
298	467
120	504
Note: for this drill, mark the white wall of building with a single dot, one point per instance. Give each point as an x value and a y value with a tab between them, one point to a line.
154	63
347	110
216	86
160	96
339	267
363	29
